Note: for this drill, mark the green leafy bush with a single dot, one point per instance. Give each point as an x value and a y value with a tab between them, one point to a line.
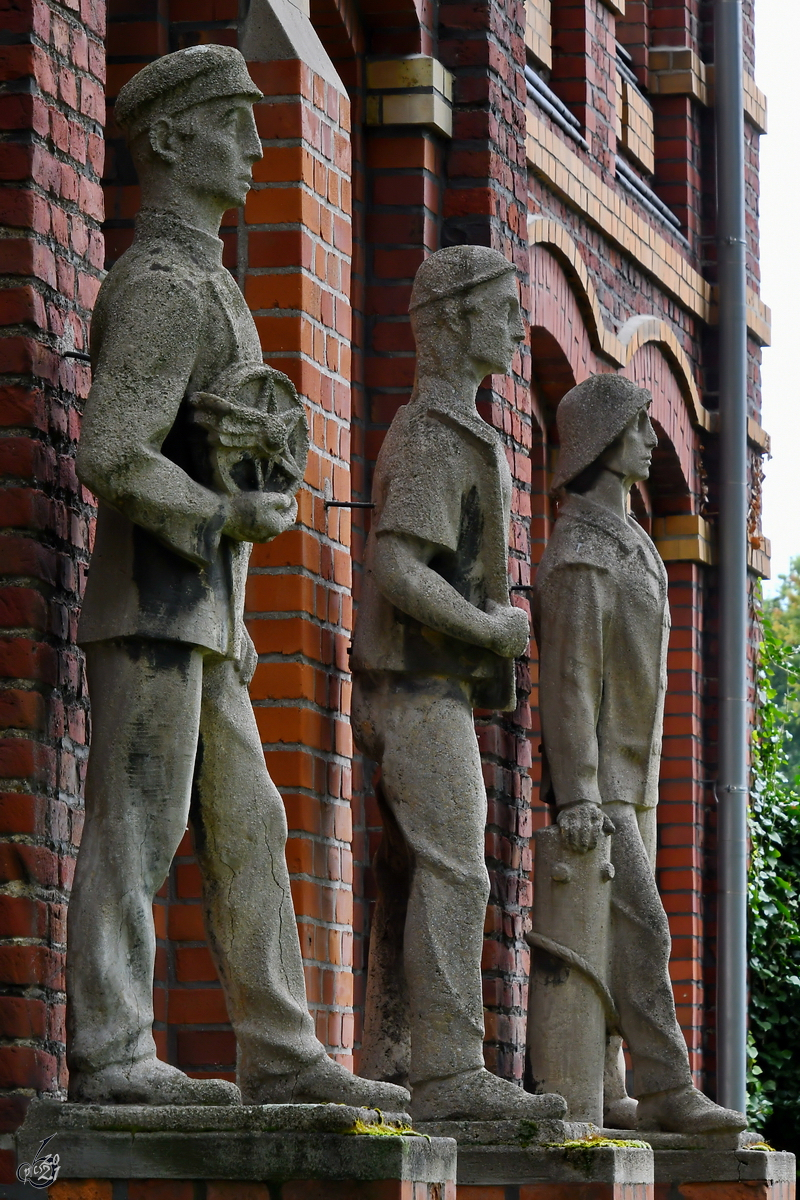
774	927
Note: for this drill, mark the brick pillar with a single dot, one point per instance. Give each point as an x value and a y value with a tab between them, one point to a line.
683	796
51	114
585	71
485	203
677	122
290	252
296	243
633	32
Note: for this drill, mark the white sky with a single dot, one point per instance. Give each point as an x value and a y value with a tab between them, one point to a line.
777	39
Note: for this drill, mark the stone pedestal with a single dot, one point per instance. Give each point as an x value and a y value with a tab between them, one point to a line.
724	1175
265	1152
526	1160
720	1167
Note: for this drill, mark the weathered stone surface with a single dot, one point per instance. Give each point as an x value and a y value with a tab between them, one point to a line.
195	450
269	1143
571	907
48	1116
522	1133
730	1139
724	1166
509	1165
436	636
601	617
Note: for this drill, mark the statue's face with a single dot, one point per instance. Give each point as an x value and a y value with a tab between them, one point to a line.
632	453
212	148
495	324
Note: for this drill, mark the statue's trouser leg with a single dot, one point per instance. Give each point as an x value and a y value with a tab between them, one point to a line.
614	1085
432	781
239	827
145	717
640	981
386	1041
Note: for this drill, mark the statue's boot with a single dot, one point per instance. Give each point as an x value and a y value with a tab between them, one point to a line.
324	1082
149	1081
620	1113
480	1096
685	1110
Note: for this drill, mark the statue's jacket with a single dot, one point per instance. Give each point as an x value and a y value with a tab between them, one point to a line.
601	619
169	320
441	476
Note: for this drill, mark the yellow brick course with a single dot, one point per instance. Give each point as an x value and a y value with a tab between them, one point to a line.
581	186
538	31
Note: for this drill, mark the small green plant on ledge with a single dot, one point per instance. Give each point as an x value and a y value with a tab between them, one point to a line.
597	1142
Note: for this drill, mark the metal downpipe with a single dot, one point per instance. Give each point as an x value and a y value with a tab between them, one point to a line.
732	786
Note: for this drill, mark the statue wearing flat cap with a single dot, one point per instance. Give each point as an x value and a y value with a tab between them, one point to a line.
601	618
435	637
194	449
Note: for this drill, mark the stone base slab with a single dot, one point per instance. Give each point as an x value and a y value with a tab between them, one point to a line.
553	1173
687	1141
508	1133
282	1144
724	1175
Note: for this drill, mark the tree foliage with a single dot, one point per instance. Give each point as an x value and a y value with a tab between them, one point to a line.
784	615
774	927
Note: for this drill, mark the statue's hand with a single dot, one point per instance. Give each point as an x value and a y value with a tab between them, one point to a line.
512	629
581	826
259	516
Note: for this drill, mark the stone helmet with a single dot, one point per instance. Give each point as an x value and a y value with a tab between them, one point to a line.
590	417
454	271
175	82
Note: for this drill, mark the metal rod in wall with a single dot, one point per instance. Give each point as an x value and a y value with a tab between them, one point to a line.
732	785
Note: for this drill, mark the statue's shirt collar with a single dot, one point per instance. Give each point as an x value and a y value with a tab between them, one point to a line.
204	248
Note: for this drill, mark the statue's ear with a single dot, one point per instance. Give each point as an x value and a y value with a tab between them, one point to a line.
163	139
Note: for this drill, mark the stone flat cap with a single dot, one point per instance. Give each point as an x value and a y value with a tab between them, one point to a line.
178	81
454	270
590	417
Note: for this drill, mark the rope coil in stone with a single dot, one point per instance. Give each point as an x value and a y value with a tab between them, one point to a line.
540	942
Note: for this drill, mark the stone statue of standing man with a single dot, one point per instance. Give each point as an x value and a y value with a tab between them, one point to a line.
601	617
436	636
195	449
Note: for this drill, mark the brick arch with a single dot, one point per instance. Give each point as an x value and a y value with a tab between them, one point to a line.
555	310
675	472
566	314
621	347
555	239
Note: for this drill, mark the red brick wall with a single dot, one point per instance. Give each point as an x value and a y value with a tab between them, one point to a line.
221	1189
340	329
51	114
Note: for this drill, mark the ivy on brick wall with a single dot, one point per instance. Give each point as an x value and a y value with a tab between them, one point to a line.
774	927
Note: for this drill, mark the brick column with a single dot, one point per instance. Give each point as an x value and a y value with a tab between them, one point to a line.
296	244
485	203
678	119
585	71
51	114
683	796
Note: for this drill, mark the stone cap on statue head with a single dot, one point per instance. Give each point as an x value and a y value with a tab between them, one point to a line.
180	80
590	417
455	270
